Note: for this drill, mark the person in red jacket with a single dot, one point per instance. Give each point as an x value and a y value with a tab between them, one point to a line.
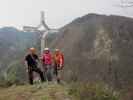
58	58
47	64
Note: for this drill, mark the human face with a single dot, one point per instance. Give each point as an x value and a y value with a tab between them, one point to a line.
57	52
47	51
32	52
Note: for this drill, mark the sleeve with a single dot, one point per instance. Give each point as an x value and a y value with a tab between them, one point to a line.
62	59
26	57
36	57
43	58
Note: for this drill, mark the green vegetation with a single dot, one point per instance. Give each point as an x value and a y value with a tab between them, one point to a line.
59	92
91	91
16	73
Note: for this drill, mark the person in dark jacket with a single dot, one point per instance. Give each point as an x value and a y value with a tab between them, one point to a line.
31	61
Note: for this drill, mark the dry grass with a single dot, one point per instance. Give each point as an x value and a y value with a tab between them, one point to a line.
36	92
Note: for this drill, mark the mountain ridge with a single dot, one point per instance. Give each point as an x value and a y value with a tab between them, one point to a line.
99	47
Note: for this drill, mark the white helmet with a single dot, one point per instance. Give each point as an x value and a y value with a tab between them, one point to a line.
57	50
46	49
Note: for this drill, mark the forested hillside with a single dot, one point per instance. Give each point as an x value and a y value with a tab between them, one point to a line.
98	47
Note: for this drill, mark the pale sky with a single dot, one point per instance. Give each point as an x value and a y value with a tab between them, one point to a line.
58	12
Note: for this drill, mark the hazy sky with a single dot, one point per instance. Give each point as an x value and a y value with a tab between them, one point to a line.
58	12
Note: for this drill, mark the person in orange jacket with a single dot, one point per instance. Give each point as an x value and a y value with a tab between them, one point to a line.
58	59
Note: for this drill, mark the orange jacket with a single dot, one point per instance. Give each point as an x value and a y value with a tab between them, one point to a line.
59	59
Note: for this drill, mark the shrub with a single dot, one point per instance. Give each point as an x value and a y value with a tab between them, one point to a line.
91	91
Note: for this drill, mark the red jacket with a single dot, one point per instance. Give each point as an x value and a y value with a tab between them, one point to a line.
47	58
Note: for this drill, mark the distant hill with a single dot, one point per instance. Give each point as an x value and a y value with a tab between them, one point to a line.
98	47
